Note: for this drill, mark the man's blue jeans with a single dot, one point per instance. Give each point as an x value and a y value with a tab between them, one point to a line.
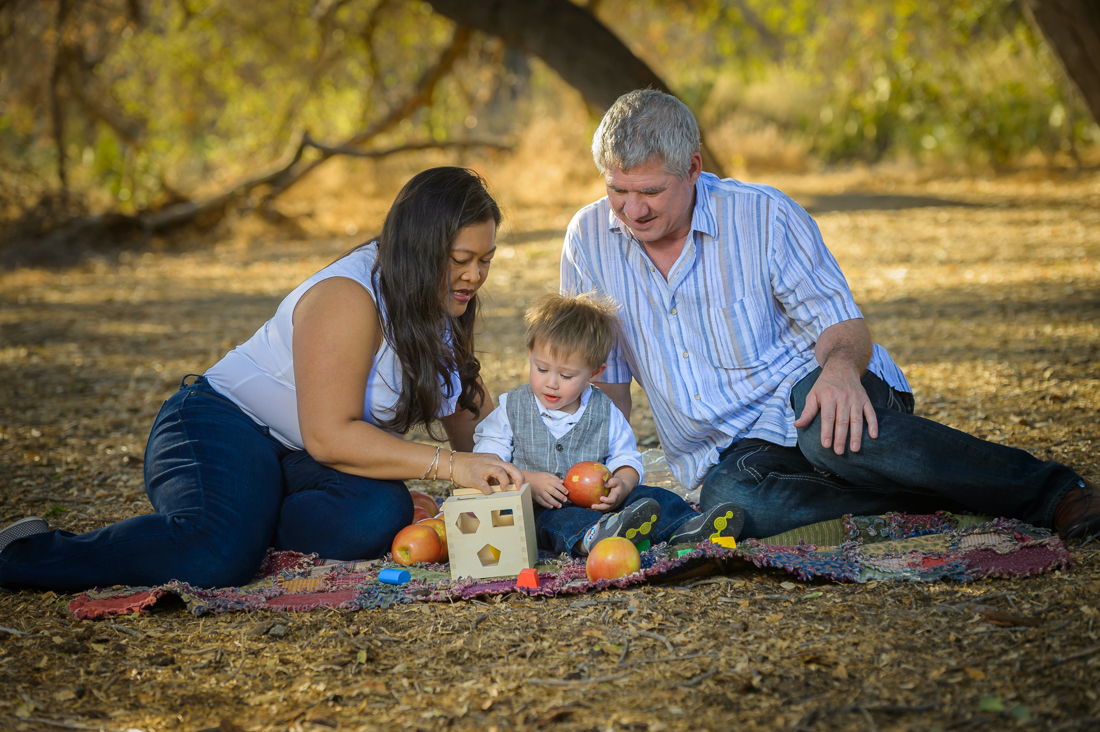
559	529
915	465
224	490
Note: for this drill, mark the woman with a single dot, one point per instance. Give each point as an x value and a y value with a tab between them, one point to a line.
294	439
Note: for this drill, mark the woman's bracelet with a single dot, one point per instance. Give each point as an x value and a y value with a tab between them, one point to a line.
451	469
435	461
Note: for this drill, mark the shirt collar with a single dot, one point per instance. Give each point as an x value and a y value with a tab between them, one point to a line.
703	218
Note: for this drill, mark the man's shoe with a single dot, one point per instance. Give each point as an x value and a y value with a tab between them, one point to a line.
1078	514
21	529
633	522
725	519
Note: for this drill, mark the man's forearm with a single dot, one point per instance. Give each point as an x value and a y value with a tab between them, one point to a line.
847	343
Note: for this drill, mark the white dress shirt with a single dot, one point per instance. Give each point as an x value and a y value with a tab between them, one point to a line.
719	345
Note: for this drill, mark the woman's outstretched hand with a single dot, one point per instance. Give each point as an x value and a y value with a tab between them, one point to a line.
482	471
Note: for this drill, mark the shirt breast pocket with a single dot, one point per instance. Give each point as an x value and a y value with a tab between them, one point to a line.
742	334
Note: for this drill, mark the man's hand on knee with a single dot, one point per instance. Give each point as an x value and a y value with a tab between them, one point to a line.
844	405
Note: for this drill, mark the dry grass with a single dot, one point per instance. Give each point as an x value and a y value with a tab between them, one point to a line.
985	290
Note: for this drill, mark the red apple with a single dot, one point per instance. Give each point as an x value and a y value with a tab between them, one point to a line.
419	514
416	543
422	499
612	558
587	483
441	529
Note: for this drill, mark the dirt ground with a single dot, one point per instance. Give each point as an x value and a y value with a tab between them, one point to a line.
986	291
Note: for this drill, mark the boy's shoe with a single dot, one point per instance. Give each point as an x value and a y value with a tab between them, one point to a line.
21	529
725	519
633	522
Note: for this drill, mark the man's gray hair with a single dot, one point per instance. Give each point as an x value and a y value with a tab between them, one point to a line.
643	125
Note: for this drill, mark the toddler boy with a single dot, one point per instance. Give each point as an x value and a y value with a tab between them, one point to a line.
559	419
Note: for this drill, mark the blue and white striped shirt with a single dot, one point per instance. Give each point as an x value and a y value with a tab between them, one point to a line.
719	345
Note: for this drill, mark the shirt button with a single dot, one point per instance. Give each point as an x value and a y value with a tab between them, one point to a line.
559	448
673	311
652	269
685	354
696	396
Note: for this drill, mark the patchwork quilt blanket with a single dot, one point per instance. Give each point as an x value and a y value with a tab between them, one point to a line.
895	546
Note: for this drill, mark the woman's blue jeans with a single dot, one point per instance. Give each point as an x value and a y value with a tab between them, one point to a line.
915	465
559	529
224	490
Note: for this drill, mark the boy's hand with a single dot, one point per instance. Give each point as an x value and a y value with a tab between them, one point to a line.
547	489
617	491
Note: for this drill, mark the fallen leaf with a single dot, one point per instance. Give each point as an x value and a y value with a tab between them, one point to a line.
259	628
974	673
990	703
257	700
1007	620
370	687
64	695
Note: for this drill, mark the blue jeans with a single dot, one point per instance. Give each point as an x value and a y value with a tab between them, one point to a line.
915	465
224	490
560	529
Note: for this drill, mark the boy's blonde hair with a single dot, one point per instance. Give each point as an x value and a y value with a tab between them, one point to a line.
586	324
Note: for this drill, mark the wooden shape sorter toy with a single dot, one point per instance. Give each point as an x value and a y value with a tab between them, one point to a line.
490	535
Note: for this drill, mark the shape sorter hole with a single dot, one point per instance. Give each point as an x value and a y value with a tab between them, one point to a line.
467	523
489	555
504	517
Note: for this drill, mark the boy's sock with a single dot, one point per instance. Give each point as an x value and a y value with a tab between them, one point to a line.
725	519
633	522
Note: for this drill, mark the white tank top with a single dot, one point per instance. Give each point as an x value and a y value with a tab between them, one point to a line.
258	375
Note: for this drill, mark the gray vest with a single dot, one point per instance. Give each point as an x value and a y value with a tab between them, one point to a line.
536	450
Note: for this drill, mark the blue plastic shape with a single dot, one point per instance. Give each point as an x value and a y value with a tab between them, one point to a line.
394	576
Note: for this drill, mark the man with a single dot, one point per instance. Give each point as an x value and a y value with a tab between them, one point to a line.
765	386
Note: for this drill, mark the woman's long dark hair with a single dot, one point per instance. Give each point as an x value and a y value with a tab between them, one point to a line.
413	268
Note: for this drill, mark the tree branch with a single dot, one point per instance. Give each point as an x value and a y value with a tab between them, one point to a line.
595	61
421	96
128	130
56	116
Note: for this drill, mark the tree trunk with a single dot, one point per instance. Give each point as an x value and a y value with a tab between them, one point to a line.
1072	28
573	42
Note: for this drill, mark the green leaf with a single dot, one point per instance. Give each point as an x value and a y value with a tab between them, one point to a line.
55	510
812	595
1020	712
361	656
991	704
